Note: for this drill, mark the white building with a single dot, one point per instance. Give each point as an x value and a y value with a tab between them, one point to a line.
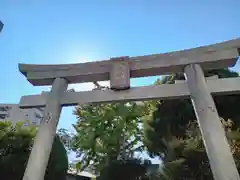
13	113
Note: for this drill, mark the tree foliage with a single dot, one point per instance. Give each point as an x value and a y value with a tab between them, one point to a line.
108	135
186	159
107	138
171	132
15	146
173	116
129	169
107	132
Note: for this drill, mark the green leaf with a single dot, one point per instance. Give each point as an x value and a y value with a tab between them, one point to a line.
78	166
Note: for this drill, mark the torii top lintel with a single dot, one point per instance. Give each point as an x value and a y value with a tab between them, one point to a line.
215	56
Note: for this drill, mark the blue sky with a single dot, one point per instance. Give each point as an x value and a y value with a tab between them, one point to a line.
56	32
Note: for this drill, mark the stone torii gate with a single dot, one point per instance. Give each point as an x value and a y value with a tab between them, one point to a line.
192	62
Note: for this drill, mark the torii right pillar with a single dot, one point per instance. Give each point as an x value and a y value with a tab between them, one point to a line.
213	133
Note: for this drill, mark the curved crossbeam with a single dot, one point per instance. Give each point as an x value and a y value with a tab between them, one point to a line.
215	56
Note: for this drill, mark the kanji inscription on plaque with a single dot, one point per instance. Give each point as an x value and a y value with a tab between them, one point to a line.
120	74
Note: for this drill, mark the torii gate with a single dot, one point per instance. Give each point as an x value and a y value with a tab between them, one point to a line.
119	71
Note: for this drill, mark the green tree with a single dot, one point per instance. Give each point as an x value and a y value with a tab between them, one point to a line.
167	131
15	146
186	159
107	132
173	116
108	136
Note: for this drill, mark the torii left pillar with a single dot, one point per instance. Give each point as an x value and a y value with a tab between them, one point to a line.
41	150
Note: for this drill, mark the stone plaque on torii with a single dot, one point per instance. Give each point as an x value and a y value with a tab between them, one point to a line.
191	62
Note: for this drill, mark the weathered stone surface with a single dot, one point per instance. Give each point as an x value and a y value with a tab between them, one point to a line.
219	154
216	56
119	71
38	160
164	91
120	74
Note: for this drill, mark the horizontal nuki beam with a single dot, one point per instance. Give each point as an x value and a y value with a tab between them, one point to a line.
216	56
215	77
164	91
